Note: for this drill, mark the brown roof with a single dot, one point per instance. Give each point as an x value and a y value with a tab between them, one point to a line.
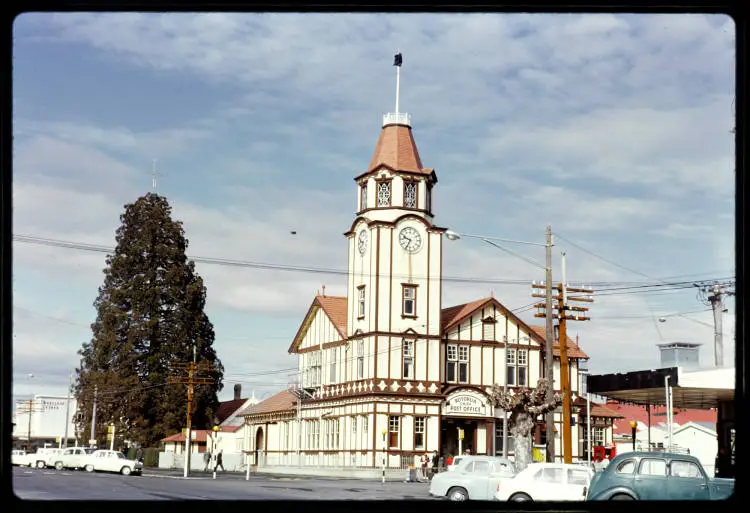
574	351
200	434
284	400
335	308
454	314
397	150
227	408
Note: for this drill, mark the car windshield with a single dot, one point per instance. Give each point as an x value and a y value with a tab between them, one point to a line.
121	456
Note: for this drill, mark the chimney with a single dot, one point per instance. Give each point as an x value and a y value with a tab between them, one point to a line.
237	391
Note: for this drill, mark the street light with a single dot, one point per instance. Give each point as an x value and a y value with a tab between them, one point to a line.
633	425
453	235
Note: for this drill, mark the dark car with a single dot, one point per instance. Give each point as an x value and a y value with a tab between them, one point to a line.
657	476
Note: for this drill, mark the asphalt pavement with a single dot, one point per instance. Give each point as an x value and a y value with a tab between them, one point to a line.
50	484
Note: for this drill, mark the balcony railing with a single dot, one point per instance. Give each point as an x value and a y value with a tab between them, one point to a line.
396	118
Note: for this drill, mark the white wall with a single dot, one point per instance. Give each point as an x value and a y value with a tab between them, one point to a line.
48	423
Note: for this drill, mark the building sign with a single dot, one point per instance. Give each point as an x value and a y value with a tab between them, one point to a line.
465	404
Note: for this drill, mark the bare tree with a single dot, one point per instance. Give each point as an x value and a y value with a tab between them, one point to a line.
525	406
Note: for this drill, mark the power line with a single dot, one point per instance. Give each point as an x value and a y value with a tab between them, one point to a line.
29	239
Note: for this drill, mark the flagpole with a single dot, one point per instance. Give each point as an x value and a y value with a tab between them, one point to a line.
398	81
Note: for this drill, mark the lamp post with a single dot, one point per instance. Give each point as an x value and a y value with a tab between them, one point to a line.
547	268
633	425
214	443
385	447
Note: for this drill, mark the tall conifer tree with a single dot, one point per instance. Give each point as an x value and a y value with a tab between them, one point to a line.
150	314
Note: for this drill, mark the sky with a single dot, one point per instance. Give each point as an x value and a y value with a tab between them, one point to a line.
613	129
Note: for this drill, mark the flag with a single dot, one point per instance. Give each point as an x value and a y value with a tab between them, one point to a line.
397	60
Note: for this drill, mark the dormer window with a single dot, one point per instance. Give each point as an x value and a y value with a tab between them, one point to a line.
384	194
363	196
410	194
428	199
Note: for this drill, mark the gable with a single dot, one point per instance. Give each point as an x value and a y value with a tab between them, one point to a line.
327	317
453	317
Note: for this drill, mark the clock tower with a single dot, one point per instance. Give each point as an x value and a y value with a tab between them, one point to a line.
395	261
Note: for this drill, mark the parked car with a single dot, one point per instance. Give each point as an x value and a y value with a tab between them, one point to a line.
454	463
72	457
18	457
657	476
42	458
111	461
475	478
546	482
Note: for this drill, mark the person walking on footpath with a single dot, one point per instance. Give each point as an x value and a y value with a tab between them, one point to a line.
219	462
206	460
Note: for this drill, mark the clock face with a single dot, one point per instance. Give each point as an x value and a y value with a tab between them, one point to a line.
410	239
362	242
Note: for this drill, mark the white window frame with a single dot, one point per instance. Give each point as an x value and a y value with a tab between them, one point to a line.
363	196
332	365
510	367
408	360
522	363
414	197
488	330
599	436
419	429
463	363
361	302
451	362
394	426
406	291
360	359
383	186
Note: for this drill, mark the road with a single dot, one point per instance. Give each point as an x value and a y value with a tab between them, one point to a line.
50	484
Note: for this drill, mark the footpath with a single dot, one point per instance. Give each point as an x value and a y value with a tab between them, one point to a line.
241	476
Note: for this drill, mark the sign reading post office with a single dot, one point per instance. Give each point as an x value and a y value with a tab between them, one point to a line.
465	404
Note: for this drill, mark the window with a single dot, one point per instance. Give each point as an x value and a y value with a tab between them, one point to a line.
626	467
598	436
346	364
363	196
418	432
408	347
428	205
360	359
393	429
313	374
578	477
410	194
451	363
481	467
336	440
687	469
286	434
354	425
550	475
652	467
361	291
409	294
463	364
365	424
384	194
488	329
523	367
511	367
334	355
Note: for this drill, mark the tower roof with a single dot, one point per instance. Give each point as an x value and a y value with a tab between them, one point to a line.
397	151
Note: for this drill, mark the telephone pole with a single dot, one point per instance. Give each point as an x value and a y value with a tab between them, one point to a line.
67	408
191	369
30	406
92	440
714	295
563	316
549	366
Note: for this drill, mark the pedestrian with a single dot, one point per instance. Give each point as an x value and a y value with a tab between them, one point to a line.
423	474
206	460
435	461
139	454
219	462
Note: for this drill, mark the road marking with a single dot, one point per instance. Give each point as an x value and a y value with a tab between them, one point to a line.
171	477
49	473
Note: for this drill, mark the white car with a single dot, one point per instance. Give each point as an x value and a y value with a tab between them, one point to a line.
18	457
546	482
111	461
72	457
475	479
42	458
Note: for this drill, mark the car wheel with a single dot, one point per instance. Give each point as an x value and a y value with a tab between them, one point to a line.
458	494
125	471
621	497
40	464
89	468
520	497
59	465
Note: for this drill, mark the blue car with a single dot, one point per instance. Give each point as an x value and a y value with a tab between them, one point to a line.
657	476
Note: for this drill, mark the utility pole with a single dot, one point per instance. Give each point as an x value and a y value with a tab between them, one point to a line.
92	440
563	316
29	406
549	366
67	409
191	368
714	296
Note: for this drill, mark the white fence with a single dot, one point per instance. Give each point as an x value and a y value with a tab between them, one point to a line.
231	461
